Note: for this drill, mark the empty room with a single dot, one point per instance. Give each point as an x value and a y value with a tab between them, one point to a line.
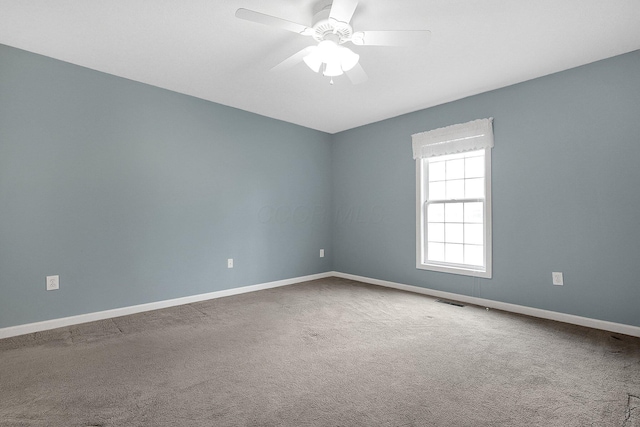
319	213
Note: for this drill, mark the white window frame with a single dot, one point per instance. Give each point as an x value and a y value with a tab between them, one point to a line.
445	141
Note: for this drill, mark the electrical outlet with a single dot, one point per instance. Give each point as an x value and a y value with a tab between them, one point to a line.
230	263
321	253
557	279
53	283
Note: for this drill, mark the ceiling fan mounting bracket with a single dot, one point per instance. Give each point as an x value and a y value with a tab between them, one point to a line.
328	29
325	28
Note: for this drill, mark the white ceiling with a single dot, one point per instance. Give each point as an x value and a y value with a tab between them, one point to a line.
199	48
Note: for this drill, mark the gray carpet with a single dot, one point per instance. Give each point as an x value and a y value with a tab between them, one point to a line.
331	352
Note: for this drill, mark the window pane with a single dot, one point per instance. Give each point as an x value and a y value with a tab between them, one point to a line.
435	232
453	212
473	233
474	167
435	212
454	253
473	212
435	251
436	190
436	171
453	233
473	255
474	188
455	189
455	169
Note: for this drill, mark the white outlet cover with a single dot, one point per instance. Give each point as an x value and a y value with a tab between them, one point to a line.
557	279
230	263
321	253
53	283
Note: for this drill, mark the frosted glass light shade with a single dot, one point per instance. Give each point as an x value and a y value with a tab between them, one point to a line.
332	69
328	51
348	58
313	60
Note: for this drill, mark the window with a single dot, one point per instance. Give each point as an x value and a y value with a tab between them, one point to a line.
453	198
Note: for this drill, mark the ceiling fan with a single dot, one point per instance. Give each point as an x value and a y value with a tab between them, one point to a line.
330	28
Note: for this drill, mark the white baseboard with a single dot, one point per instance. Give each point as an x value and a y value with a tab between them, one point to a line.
29	328
514	308
620	328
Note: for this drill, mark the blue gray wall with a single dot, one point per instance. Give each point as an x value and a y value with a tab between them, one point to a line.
566	193
134	194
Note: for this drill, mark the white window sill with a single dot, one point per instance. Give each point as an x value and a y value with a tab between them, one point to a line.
455	270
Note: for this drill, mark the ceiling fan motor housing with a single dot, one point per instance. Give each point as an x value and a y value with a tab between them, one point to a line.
329	29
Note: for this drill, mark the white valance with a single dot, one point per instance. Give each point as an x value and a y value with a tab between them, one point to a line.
475	135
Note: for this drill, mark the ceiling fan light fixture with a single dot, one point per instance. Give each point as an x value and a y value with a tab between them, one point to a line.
336	58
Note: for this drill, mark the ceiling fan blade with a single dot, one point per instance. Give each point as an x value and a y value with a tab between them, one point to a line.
294	59
357	74
261	18
342	10
391	38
